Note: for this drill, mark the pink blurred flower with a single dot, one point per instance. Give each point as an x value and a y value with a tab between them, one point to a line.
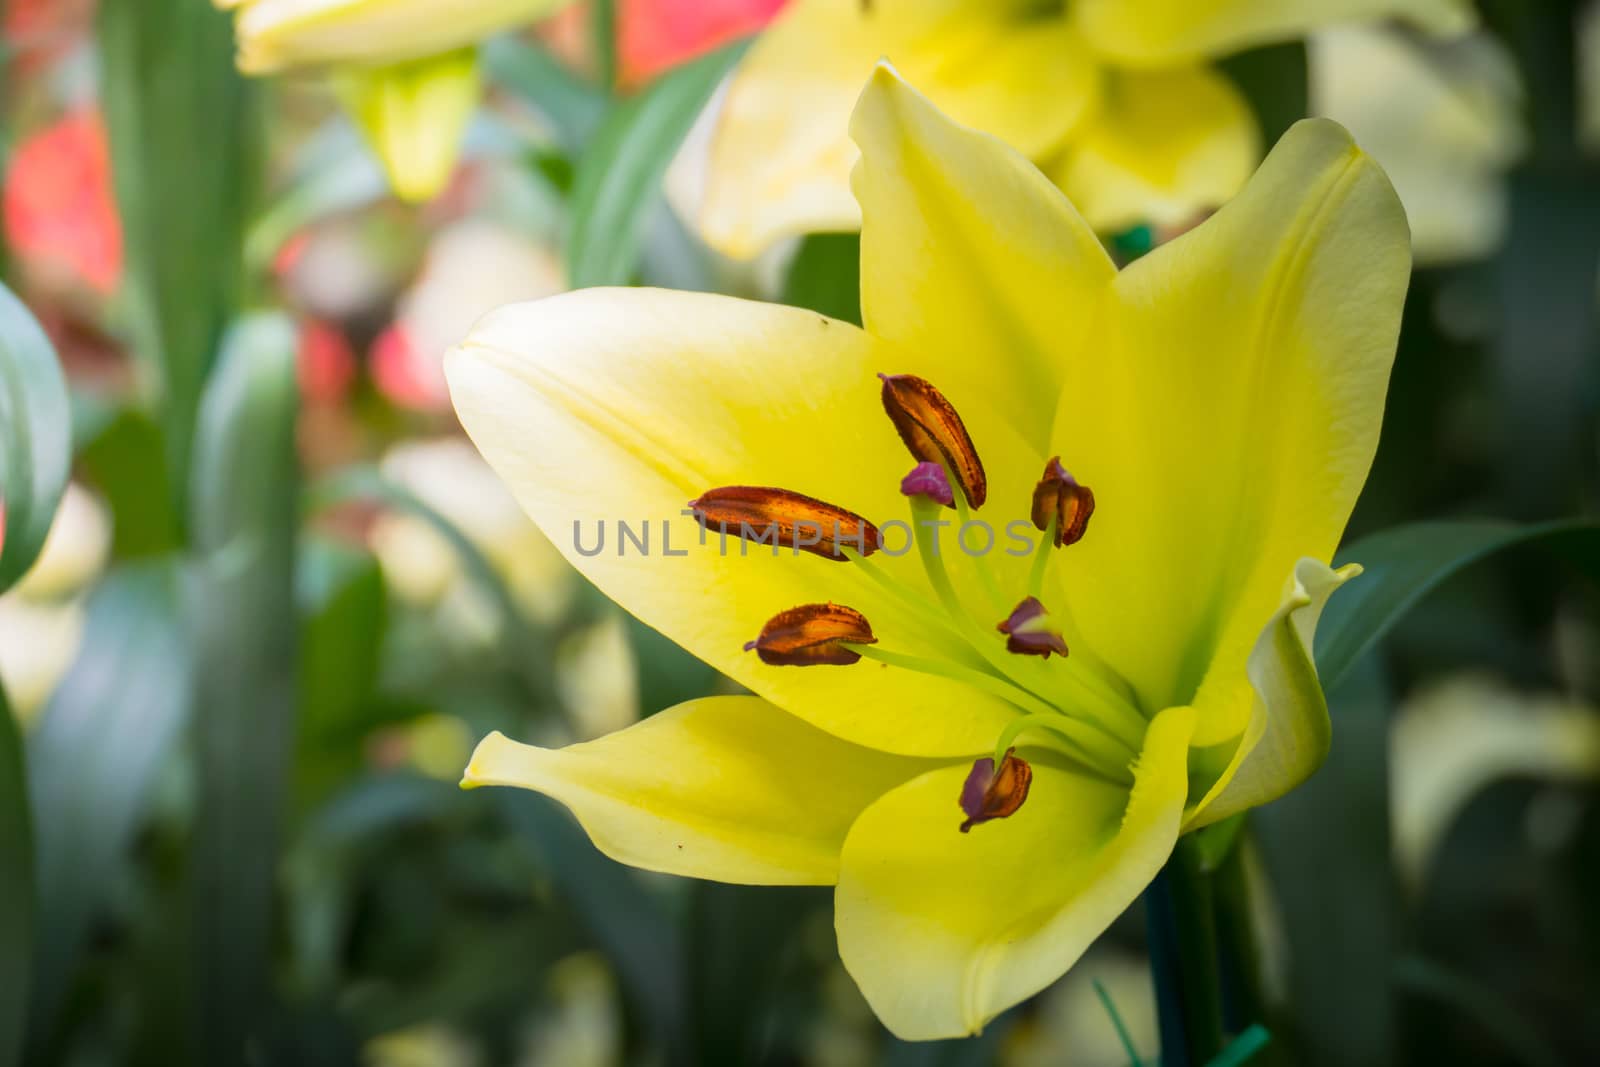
403	376
656	35
59	214
327	366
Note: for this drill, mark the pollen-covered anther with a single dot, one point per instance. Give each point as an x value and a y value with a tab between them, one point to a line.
929	480
934	433
1060	499
812	635
989	794
1029	631
785	519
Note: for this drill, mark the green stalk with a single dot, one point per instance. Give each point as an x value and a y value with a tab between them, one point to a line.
1183	954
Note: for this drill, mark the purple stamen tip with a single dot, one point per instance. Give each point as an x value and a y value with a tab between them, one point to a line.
751	646
976	788
929	480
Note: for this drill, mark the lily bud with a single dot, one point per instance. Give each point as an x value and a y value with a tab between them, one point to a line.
1058	497
934	433
276	35
990	794
812	634
413	115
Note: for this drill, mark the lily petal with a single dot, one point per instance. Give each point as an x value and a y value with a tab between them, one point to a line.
1162	147
969	252
943	930
780	159
1288	734
726	788
1158	32
1227	414
623	405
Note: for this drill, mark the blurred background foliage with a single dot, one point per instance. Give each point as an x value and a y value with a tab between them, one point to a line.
281	596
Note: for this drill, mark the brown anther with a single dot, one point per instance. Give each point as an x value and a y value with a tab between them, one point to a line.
785	519
1060	499
987	795
934	433
812	634
1029	632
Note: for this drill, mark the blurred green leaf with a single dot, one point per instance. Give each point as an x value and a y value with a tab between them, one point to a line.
245	499
35	437
345	608
603	32
1326	849
1404	564
181	123
93	758
126	464
619	178
826	276
1521	1041
1274	80
573	106
16	887
629	924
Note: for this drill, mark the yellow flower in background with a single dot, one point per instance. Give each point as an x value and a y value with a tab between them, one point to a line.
1115	99
405	69
421	567
984	809
42	617
1444	118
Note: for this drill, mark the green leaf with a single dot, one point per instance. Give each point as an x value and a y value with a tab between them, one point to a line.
573	107
16	888
125	462
1522	1041
629	924
1274	80
603	30
826	276
1404	564
181	123
245	498
344	605
93	757
619	178
35	438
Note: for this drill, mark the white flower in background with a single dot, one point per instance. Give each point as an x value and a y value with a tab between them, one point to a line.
421	567
41	618
585	1026
1455	738
424	1045
1442	117
1589	76
598	679
1072	1025
472	268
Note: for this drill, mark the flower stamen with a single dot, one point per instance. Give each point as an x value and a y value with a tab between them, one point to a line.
811	635
1061	506
931	429
1029	631
785	519
995	789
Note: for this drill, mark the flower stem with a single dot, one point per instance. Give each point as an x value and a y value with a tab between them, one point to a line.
1183	955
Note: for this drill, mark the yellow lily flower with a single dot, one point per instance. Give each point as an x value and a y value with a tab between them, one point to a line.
406	68
1113	97
1220	400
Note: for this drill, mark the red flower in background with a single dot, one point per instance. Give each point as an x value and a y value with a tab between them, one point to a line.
59	214
656	35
